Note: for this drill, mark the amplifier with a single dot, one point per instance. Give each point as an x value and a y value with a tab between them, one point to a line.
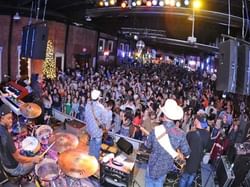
224	172
113	174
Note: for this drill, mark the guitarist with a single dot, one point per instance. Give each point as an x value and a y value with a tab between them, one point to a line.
198	140
163	140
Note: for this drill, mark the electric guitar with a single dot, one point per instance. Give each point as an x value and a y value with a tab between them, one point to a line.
179	160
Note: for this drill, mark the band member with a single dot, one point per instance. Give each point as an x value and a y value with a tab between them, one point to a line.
163	141
198	140
12	161
94	117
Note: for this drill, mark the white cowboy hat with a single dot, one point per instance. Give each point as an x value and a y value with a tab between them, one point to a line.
171	110
95	94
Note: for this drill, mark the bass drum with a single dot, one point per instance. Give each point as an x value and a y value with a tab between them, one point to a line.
72	182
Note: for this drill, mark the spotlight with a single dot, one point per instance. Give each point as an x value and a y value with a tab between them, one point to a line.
196	4
178	4
186	2
133	3
112	2
161	3
124	4
167	2
172	2
106	3
138	2
148	3
154	2
101	3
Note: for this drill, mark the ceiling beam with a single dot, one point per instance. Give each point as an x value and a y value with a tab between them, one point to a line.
25	2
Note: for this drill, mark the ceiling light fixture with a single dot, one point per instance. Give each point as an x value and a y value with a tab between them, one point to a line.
149	3
161	3
138	2
186	2
172	2
88	18
154	2
133	3
178	4
16	16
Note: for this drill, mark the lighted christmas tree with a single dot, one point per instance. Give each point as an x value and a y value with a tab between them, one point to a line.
49	65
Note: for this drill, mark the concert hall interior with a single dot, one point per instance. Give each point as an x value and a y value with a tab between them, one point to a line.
125	93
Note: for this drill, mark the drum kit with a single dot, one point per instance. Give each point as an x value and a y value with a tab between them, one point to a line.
71	166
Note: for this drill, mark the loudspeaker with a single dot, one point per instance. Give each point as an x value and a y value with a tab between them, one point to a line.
241	168
125	146
243	73
34	41
227	67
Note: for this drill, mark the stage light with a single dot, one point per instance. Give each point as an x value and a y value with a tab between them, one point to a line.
186	2
124	4
172	2
154	2
196	4
138	2
161	3
178	4
112	2
101	3
133	3
148	3
106	3
167	2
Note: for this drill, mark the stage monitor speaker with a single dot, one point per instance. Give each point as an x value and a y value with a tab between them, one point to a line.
243	74
224	172
241	168
34	41
227	67
125	146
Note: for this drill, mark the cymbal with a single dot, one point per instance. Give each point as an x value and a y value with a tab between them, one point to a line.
64	141
30	110
77	164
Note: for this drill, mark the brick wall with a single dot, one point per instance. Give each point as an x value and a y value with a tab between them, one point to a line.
78	38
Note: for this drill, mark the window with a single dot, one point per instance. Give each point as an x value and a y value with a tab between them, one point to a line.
110	46
101	45
122	46
126	47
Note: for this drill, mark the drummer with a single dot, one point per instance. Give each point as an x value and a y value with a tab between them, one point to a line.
12	161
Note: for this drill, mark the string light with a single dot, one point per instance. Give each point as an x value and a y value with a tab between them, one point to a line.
154	2
101	3
138	2
178	4
49	65
186	2
148	3
161	3
124	4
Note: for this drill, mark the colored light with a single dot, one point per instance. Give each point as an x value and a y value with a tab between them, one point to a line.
178	4
106	3
148	3
172	2
186	2
138	2
167	2
161	3
133	3
112	2
101	3
196	4
154	2
123	5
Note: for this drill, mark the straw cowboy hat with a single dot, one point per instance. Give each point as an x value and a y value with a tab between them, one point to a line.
95	94
171	110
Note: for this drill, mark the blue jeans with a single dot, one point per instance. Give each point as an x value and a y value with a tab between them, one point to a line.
21	169
95	146
187	179
151	182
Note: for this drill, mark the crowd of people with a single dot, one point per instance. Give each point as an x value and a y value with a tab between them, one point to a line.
128	101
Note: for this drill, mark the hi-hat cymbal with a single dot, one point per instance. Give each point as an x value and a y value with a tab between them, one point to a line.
30	110
64	141
78	164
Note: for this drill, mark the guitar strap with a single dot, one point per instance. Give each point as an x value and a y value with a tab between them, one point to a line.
96	119
164	140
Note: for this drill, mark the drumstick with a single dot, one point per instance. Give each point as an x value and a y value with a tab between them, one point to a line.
51	145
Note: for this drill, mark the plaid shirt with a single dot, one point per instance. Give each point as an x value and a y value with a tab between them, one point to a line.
160	161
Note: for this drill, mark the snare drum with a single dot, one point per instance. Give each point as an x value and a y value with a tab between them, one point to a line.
43	133
47	170
30	146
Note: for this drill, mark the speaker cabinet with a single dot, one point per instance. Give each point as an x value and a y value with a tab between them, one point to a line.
227	67
243	74
34	41
125	146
